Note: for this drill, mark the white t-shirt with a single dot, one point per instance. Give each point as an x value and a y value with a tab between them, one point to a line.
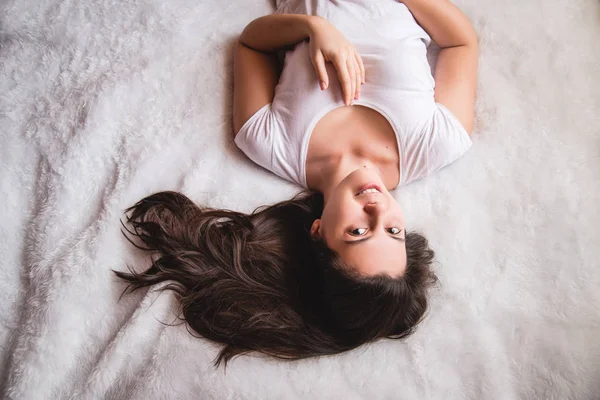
399	85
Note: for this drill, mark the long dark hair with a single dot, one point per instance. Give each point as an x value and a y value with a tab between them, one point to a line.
259	282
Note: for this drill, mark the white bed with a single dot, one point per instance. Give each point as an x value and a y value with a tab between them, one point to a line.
105	102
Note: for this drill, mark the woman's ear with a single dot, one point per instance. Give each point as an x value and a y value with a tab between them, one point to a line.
315	229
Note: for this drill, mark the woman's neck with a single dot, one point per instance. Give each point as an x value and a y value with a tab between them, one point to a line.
347	139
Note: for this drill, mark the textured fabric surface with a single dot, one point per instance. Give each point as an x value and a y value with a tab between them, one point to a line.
104	102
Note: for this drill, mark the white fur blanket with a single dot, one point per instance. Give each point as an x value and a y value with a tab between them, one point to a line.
103	102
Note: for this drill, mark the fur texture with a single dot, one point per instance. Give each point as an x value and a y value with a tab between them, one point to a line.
105	102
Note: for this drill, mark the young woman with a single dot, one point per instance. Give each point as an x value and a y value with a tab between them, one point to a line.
352	113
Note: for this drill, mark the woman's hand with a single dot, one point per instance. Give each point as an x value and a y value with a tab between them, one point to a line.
327	44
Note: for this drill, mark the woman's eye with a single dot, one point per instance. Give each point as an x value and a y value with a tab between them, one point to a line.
394	231
358	231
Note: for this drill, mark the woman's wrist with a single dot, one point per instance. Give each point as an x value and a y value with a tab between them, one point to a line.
314	23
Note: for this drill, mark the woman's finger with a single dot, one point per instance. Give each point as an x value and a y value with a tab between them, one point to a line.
361	65
352	71
344	76
358	78
319	63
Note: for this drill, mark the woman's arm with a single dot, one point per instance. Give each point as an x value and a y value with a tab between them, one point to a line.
255	66
255	76
456	68
255	69
273	32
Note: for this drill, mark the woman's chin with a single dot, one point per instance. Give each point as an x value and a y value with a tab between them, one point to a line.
363	177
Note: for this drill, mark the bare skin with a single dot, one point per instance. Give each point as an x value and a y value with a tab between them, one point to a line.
365	229
367	140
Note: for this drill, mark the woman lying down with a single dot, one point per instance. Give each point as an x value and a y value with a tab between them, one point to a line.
352	113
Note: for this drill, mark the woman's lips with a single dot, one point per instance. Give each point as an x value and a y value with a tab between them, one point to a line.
368	186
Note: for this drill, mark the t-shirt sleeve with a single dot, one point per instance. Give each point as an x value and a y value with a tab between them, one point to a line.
255	138
439	141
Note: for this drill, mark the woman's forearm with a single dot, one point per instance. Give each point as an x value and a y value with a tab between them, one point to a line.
273	32
443	21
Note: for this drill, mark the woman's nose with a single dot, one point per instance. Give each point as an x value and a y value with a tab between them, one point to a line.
374	208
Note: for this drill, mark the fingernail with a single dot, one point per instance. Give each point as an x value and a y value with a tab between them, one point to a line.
322	85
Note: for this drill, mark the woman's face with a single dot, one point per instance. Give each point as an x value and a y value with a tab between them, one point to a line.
364	224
